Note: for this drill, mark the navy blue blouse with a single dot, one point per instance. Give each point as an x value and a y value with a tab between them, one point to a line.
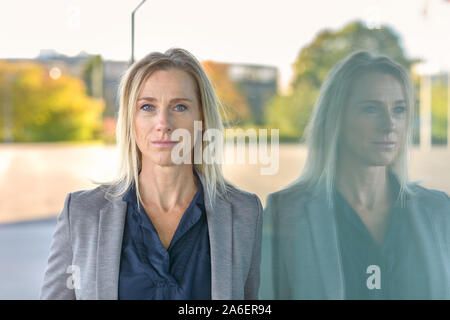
403	273
149	271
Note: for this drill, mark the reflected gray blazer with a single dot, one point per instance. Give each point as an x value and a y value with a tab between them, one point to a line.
300	253
89	234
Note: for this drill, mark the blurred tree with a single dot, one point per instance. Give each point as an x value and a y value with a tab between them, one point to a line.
290	113
439	98
236	108
285	111
93	76
47	108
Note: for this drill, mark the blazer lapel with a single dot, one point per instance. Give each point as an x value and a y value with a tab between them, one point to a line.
219	217
110	234
326	246
430	247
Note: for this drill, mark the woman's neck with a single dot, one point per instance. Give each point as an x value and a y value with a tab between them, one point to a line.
167	187
364	186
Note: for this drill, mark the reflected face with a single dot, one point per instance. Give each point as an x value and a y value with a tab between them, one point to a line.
375	120
167	101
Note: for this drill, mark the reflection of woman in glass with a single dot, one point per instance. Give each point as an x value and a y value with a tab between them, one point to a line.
162	230
353	226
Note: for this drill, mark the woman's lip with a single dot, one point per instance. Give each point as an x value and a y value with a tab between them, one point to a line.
385	144
164	143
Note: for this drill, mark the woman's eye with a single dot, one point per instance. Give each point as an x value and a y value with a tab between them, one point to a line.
180	107
369	109
147	107
399	110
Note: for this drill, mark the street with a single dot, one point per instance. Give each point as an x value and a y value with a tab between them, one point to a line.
24	249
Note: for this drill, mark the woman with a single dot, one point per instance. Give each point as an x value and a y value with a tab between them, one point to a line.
165	228
353	226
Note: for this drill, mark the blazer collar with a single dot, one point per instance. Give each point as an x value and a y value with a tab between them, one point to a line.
109	247
219	217
326	245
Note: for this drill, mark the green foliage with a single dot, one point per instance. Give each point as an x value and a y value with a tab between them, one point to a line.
93	76
290	113
439	92
46	109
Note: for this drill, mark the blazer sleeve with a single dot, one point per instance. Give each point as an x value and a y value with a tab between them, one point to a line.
57	273
252	284
274	284
266	291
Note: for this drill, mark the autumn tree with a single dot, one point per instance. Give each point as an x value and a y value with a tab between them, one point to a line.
93	76
40	107
234	103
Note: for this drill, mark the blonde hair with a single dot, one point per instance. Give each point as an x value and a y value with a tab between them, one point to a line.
324	128
131	83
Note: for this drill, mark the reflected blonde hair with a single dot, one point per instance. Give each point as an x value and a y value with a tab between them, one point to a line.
130	157
324	128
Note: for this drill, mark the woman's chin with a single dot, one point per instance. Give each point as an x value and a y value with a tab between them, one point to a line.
382	160
165	159
165	162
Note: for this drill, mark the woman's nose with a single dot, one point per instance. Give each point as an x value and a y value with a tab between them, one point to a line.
164	121
387	121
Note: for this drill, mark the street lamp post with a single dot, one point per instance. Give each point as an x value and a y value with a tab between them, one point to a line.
132	31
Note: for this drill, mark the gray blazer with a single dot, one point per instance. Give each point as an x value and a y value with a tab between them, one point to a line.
88	241
300	253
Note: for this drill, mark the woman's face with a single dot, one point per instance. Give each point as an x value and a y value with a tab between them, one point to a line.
375	120
167	101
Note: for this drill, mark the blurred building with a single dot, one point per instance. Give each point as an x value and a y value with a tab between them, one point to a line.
258	84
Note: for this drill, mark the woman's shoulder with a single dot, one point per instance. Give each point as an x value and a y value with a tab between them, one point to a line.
89	198
434	202
293	194
438	202
431	196
237	195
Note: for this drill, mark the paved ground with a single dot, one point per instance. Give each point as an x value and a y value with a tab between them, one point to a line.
34	181
35	178
24	249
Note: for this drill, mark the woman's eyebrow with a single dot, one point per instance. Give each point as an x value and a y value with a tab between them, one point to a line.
377	101
146	98
371	101
151	99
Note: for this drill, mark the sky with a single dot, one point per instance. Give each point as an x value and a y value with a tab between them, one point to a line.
237	31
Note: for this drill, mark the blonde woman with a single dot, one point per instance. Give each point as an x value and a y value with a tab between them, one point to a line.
163	229
353	226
